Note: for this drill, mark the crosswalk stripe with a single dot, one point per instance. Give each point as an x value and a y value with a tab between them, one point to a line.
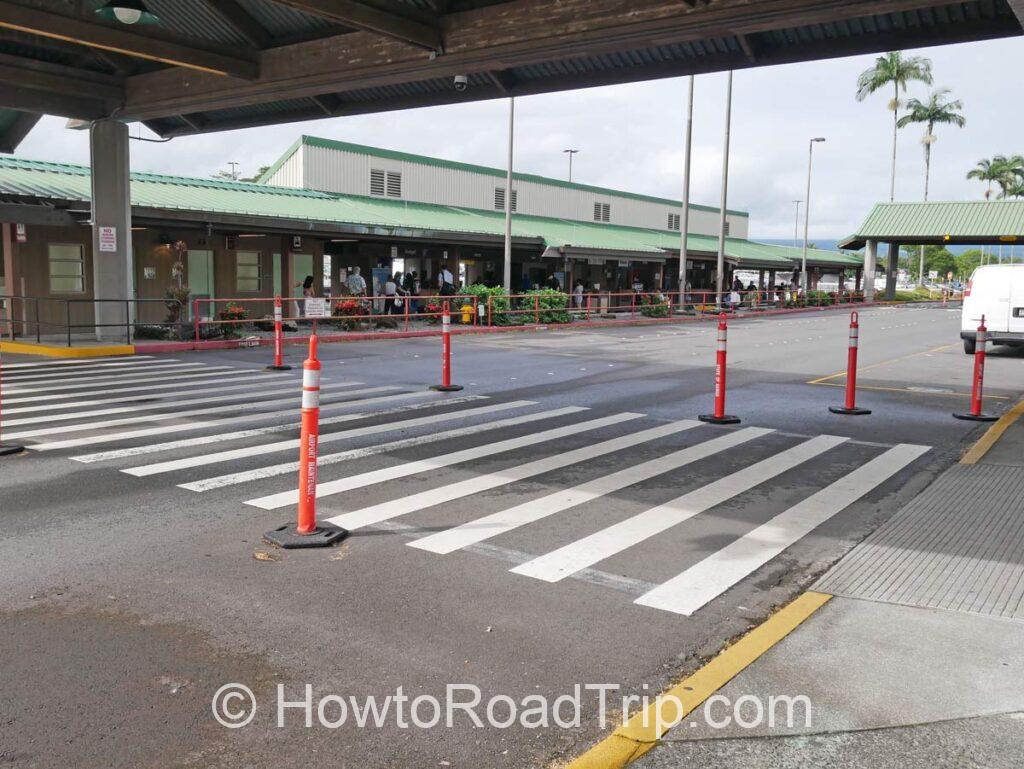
344	456
83	374
75	362
605	543
504	521
203	460
701	583
234	419
274	501
203	440
223	398
388	510
213	373
45	384
143	397
164	416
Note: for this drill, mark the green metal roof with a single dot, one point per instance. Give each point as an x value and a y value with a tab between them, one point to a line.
976	222
65	182
362	149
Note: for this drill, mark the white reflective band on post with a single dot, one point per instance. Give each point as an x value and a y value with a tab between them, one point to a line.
277	313
854	334
311	378
311	399
446	322
982	337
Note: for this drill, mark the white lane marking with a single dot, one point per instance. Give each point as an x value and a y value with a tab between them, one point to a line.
274	501
143	398
239	408
234	419
203	460
605	543
44	384
76	362
97	373
345	456
224	398
376	513
167	383
706	580
202	440
511	518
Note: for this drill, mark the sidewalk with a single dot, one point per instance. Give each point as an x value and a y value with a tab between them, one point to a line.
917	660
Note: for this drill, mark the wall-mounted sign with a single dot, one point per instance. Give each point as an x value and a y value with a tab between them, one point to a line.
149	273
296	241
108	239
394	252
20	233
230	244
316	308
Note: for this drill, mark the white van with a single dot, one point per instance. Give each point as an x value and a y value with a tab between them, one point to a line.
997	292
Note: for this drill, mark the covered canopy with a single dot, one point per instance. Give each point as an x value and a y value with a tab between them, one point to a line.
976	222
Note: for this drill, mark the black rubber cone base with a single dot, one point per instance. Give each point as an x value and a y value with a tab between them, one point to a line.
446	389
278	368
977	417
287	537
7	449
856	411
723	420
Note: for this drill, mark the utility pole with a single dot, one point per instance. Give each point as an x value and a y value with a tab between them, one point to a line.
807	211
508	195
234	170
684	217
720	265
570	153
796	225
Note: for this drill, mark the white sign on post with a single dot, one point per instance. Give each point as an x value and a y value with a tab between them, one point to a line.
108	239
317	308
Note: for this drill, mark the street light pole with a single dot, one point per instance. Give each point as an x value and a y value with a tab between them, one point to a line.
807	211
570	153
720	264
508	196
796	225
684	217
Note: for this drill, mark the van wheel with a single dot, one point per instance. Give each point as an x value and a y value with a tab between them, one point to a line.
969	346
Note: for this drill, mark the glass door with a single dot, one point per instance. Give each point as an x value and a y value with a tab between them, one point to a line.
200	281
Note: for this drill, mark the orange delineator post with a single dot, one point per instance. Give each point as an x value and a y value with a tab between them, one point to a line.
6	449
279	364
850	407
306	532
446	353
978	379
720	417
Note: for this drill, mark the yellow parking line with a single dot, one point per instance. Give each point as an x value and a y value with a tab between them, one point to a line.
642	732
911	391
881	363
993	434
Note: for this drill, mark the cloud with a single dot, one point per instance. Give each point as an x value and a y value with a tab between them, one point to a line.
630	137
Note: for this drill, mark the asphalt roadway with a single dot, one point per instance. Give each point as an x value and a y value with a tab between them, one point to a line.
129	601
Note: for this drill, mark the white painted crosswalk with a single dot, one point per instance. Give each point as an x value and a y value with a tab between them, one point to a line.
551	489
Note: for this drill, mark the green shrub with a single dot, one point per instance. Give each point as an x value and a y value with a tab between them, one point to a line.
654	306
499	304
819	299
552	305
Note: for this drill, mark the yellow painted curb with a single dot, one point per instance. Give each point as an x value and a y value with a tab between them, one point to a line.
993	434
643	730
54	351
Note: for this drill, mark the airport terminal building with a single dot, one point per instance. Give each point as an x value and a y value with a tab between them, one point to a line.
326	207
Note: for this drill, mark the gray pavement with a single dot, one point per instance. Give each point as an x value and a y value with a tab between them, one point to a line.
126	519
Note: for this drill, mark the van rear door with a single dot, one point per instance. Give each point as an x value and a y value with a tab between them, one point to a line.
1016	322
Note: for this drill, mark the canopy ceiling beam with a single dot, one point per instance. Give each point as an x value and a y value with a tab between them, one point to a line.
370	19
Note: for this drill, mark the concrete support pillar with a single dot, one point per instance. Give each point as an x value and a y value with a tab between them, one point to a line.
12	285
760	280
857	276
870	258
891	269
112	268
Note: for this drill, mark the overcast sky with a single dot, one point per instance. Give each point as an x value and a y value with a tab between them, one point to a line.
631	137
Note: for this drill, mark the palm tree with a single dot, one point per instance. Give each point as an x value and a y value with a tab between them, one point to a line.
988	171
896	70
938	109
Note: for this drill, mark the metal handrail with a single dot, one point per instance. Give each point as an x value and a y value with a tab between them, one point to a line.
67	326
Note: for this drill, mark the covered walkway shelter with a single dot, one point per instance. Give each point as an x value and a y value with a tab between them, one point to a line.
209	65
968	223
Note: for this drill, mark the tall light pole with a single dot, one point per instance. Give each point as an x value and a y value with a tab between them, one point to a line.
508	195
570	153
684	217
807	211
796	225
720	265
